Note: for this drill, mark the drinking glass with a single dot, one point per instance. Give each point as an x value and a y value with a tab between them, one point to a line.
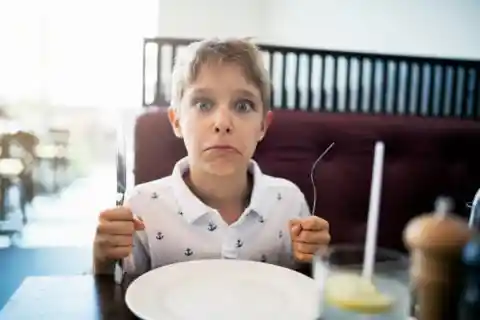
346	295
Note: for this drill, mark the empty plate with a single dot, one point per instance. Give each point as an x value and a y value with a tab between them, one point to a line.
223	290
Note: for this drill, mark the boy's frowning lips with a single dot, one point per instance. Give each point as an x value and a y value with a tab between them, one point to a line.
222	147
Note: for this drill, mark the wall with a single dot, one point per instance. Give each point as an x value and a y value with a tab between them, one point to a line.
208	18
418	27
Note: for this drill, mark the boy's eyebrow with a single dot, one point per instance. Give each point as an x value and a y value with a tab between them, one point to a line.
241	92
246	93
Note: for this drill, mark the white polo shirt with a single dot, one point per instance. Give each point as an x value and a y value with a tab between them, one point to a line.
180	227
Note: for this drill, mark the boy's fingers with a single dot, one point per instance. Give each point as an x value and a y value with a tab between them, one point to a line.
118	252
318	237
115	227
314	223
116	214
120	241
305	248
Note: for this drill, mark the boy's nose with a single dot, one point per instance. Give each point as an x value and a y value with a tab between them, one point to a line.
219	129
223	123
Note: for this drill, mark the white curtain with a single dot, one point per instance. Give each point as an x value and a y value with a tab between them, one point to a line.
80	53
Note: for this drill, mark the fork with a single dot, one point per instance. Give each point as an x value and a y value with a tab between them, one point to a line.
312	176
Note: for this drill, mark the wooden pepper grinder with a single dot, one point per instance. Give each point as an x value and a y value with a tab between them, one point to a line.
436	241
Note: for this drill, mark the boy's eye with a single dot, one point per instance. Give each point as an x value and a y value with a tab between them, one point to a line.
203	105
244	106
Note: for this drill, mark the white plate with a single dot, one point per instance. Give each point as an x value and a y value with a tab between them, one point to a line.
223	290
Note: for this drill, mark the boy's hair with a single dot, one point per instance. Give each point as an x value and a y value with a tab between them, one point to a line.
238	51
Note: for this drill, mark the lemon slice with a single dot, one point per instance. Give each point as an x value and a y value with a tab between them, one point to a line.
353	293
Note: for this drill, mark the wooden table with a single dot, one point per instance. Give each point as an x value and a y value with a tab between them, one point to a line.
85	297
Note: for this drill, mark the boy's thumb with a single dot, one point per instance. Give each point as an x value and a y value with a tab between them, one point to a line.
138	224
295	227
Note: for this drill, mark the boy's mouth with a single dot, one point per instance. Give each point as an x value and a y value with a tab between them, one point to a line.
221	147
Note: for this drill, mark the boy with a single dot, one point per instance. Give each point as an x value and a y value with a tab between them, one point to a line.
217	203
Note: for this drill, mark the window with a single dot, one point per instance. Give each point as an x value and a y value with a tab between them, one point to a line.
83	53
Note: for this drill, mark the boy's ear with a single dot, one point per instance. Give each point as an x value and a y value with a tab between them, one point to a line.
265	124
174	121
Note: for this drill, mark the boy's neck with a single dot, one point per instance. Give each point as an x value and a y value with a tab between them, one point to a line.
224	193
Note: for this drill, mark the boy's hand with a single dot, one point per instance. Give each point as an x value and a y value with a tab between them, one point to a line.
114	236
308	236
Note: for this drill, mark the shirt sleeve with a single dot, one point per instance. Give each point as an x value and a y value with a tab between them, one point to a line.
304	209
138	262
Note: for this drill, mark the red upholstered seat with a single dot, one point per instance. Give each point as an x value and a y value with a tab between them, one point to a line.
424	158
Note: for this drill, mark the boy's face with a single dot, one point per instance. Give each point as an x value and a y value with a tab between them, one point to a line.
221	119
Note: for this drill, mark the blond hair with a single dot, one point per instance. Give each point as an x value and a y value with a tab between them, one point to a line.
238	51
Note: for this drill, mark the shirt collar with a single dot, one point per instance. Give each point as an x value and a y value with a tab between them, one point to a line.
259	200
192	208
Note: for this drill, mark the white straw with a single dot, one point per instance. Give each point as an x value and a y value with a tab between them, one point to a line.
373	211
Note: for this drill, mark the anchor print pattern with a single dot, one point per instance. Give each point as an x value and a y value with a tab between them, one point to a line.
188	252
212	226
279	196
154	195
261	220
239	243
280	234
159	236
